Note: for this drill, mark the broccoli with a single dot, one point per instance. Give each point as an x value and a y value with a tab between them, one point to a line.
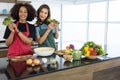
7	20
53	20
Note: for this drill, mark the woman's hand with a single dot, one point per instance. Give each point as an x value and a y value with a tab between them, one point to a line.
12	27
53	24
16	29
56	25
50	26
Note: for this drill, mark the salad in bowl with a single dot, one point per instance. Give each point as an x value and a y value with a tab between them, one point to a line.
91	50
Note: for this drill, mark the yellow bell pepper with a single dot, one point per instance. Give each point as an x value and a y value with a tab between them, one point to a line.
87	53
86	48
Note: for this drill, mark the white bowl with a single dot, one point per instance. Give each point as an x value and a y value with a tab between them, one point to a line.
44	51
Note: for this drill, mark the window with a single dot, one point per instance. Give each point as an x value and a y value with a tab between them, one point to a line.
75	12
114	10
97	11
97	32
113	39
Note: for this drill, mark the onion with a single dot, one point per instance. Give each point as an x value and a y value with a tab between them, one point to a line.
36	61
29	62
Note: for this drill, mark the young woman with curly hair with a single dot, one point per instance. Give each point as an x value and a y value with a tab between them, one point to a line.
20	34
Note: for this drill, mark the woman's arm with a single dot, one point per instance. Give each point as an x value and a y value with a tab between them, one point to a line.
9	40
41	39
24	38
56	31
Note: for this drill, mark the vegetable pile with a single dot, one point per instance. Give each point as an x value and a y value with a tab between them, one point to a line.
69	49
76	54
92	49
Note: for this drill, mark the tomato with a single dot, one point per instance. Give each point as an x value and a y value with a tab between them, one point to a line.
93	54
91	49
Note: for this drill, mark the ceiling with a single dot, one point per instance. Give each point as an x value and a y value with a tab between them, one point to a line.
70	1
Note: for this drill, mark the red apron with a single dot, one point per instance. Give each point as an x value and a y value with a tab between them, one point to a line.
18	67
18	47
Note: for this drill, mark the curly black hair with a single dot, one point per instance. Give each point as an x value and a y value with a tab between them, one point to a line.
39	10
14	12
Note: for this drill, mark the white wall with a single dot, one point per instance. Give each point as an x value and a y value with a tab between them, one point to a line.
98	22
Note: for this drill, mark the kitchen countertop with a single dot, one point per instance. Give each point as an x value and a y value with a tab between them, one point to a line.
4	46
11	71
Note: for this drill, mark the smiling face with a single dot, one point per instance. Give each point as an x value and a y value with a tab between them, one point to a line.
43	14
23	13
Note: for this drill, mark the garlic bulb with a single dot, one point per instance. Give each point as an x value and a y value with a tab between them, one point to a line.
44	60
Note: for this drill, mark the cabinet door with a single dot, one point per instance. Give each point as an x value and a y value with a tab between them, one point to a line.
8	1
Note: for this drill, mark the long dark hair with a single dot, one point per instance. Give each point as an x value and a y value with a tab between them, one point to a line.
14	12
39	10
